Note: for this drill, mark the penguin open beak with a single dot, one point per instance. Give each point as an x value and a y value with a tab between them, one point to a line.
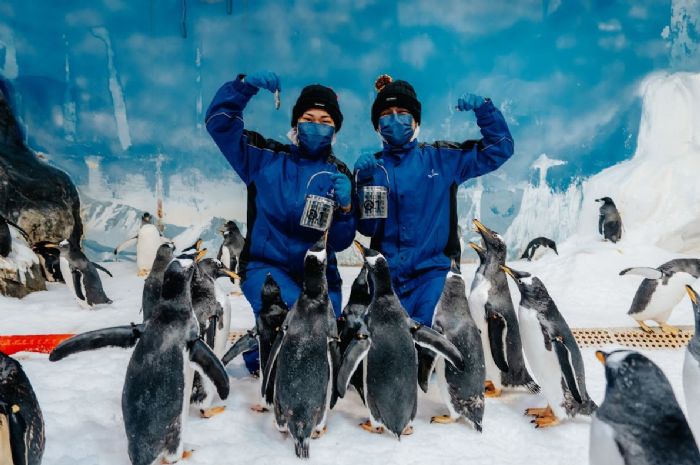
198	244
360	248
51	245
508	271
200	254
480	228
476	247
601	356
230	274
692	294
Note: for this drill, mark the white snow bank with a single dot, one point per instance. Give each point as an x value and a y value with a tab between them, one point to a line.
21	257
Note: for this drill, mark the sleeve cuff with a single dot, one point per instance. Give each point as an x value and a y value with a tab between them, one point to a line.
243	87
485	109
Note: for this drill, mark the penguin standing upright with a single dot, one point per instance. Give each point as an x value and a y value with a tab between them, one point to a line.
352	319
537	247
691	370
147	242
491	307
156	393
230	249
81	275
213	311
461	390
21	421
6	236
661	290
552	353
273	312
609	221
154	282
387	352
50	259
306	356
639	421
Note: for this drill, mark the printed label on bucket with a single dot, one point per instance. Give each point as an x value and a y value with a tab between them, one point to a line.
318	212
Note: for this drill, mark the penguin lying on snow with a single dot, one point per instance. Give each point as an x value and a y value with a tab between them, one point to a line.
661	290
6	236
50	259
537	247
491	307
609	221
213	311
691	369
461	390
552	353
639	421
81	275
147	242
386	350
154	281
230	249
158	383
306	356
270	319
21	421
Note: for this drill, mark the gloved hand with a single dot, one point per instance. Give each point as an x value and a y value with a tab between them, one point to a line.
469	102
264	80
342	187
367	163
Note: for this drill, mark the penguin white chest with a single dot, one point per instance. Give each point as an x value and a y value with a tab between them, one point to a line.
477	300
147	246
226	257
602	448
691	388
67	275
543	363
665	297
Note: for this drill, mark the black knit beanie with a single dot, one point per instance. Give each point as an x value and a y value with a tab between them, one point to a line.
392	93
318	96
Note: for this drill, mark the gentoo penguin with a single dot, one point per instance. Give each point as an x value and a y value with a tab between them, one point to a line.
661	290
6	236
552	353
537	248
386	349
491	307
147	242
81	275
461	390
691	370
305	355
230	249
213	311
21	422
639	421
154	282
609	221
49	256
156	393
352	319
270	319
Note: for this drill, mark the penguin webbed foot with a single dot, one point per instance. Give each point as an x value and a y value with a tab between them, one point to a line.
212	411
646	328
259	408
490	389
315	434
668	329
367	426
442	419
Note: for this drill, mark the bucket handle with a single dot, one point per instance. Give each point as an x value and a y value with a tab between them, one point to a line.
386	173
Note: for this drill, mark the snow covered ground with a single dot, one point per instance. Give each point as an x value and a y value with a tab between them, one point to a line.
81	395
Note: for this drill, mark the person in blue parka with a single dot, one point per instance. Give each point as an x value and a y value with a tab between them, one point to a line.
420	235
279	177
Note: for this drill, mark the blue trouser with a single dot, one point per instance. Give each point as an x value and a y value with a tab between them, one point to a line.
255	276
420	298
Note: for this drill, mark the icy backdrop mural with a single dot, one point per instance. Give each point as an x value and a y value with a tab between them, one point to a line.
114	91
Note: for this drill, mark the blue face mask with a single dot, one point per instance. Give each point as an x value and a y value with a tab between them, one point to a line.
314	138
396	128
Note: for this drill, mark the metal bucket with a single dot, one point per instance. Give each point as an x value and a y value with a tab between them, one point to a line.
318	212
373	202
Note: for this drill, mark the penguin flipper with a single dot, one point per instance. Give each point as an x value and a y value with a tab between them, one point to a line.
118	336
17	427
643	271
567	369
498	330
271	361
78	284
126	244
426	364
102	268
334	348
353	356
244	343
436	342
211	366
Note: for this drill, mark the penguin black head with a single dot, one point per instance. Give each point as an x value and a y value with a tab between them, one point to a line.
492	240
480	251
532	289
270	292
9	370
378	268
606	201
229	227
360	292
146	218
215	269
632	377
177	278
196	247
315	267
